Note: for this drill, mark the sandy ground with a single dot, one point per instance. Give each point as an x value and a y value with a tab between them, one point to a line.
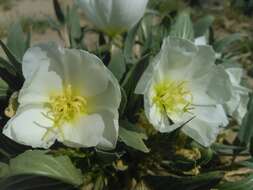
37	10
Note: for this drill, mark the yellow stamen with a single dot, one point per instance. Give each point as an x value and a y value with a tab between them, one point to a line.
173	97
66	107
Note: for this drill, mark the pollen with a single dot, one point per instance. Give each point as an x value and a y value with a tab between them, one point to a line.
67	106
173	97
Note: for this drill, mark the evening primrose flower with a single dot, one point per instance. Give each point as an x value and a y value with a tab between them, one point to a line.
236	107
69	96
183	87
113	16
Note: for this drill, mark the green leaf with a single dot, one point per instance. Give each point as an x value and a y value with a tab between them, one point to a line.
247	163
117	64
9	148
74	28
200	182
3	88
58	11
38	162
183	27
4	170
133	139
33	182
129	43
246	130
123	102
16	41
132	77
129	84
12	58
245	184
202	26
6	65
223	44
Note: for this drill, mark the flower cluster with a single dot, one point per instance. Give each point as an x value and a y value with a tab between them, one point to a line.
70	96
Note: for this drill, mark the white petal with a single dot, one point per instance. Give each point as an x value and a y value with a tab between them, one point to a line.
87	131
126	14
203	61
83	71
113	16
198	89
211	114
235	75
110	135
86	72
146	77
212	88
40	79
241	111
29	126
219	87
40	87
200	41
176	58
203	132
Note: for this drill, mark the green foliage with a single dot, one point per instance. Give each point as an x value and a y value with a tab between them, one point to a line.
223	44
58	11
32	182
166	6
183	27
200	182
245	184
3	89
202	26
117	64
133	139
4	170
246	131
55	170
17	42
129	43
74	28
39	163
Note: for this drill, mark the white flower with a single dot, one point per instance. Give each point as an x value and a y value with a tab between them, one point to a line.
113	16
69	96
184	87
237	105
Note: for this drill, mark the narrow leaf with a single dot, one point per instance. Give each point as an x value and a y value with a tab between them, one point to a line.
202	26
4	170
201	182
245	184
246	130
58	11
3	88
117	64
74	28
129	43
223	44
12	58
183	27
16	41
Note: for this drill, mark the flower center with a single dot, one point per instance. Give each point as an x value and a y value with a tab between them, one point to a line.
67	106
173	97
